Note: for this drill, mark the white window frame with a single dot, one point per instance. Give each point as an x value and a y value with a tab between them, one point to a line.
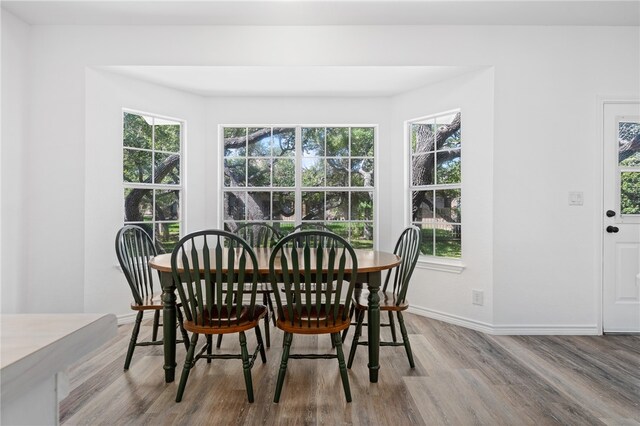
298	189
155	186
437	263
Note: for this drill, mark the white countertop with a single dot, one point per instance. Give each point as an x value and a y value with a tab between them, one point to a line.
34	346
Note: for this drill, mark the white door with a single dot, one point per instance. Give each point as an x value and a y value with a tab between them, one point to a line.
621	263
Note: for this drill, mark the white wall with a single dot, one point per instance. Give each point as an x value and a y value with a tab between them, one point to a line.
15	75
441	294
547	80
105	289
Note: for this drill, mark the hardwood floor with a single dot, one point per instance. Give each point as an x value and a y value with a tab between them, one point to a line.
462	377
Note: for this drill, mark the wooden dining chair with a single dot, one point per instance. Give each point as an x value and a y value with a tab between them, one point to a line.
134	248
213	271
393	298
329	262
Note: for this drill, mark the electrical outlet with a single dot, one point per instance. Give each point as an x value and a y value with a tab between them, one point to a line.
477	297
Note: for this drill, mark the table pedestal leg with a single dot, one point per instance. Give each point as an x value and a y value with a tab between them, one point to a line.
373	321
169	326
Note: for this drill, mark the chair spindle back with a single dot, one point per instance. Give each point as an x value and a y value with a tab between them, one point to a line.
134	249
408	248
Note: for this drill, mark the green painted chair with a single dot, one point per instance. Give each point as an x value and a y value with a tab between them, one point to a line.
214	299
392	298
318	258
134	248
260	235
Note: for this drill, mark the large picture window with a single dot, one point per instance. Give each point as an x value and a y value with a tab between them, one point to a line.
435	183
292	175
152	176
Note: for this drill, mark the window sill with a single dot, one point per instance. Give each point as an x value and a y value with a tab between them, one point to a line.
442	265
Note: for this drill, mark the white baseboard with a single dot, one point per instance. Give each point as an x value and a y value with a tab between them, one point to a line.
452	319
515	329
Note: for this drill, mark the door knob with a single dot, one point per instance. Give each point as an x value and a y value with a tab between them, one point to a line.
611	213
612	229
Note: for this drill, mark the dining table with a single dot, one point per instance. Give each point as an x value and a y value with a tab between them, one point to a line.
371	264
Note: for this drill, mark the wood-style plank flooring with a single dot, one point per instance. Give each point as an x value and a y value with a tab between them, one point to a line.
462	377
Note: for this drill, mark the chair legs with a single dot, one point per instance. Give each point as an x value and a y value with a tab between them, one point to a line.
392	325
346	330
337	340
156	323
356	337
210	346
188	364
246	367
405	339
403	331
185	335
134	339
283	365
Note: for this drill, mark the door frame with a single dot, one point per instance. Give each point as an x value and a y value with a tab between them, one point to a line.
601	102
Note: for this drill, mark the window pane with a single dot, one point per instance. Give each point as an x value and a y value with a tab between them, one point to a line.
448	167
362	172
362	206
284	205
137	131
284	172
362	235
312	172
337	172
285	228
448	242
448	131
337	206
337	141
362	142
258	205
259	172
341	228
312	141
422	137
422	205
259	142
312	205
422	169
629	143
234	206
235	141
167	168
452	141
234	171
426	241
138	205
167	204
630	192
136	166
167	236
448	205
284	142
167	134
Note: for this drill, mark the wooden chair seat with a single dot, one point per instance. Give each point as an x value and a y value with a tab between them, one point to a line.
388	301
212	324
313	322
149	303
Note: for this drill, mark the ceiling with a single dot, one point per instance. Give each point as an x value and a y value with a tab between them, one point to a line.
327	12
291	80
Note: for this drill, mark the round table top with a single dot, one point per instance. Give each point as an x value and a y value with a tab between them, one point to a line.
368	261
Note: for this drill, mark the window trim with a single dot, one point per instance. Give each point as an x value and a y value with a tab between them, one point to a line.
437	263
181	188
298	189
